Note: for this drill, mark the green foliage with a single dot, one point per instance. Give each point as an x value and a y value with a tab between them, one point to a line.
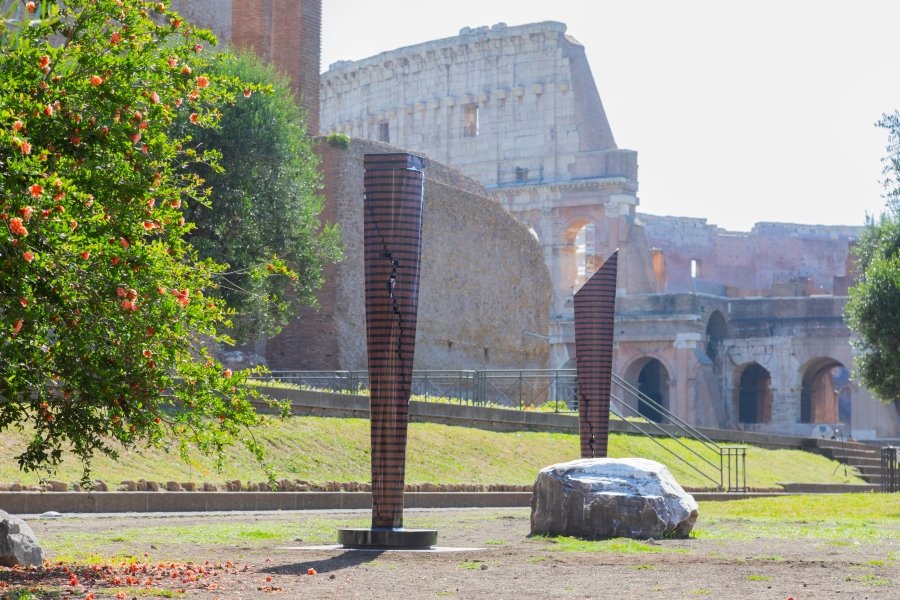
554	406
338	140
263	220
874	305
614	545
106	310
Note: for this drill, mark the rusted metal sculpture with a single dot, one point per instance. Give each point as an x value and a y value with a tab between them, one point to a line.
393	207
595	309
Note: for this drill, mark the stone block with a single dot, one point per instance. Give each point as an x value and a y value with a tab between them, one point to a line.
18	544
605	498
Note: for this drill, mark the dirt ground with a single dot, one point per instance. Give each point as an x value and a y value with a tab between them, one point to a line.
503	562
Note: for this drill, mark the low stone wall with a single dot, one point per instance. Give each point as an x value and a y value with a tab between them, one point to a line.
36	503
67	503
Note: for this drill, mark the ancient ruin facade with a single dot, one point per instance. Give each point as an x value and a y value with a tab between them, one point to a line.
741	330
773	259
517	109
726	329
463	321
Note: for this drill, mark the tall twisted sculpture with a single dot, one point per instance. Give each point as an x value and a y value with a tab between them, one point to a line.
595	309
393	207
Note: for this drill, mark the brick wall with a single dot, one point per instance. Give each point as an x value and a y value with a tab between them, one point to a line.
285	33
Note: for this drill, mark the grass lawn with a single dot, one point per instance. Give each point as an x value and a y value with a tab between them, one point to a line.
323	449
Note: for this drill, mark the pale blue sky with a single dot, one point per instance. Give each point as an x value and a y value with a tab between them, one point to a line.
740	111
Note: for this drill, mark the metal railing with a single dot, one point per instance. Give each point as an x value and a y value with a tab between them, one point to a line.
627	402
551	390
519	388
890	469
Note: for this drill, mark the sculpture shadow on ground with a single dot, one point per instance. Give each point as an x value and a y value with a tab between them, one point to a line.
345	560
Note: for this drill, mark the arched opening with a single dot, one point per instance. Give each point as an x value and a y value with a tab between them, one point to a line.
754	395
585	258
716	330
825	396
571	256
651	378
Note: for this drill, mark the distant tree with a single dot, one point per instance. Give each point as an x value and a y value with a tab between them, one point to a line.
873	311
263	218
105	309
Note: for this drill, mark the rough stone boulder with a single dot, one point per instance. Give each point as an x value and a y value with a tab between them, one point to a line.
606	497
18	545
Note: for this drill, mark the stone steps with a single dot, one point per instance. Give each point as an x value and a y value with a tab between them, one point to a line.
865	458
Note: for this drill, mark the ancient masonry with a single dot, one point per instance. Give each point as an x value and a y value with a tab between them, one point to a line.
285	33
473	255
517	109
728	329
471	258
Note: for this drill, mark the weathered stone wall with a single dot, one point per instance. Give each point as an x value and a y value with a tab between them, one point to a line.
771	259
536	102
483	280
285	33
791	338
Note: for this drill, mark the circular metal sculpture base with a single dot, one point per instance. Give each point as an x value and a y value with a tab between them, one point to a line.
387	537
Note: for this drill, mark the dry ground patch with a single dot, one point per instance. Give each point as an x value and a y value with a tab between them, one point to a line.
823	547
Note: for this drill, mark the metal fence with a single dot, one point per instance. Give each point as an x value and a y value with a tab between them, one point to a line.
890	469
552	390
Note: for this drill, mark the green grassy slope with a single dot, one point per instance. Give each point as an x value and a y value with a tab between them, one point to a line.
332	449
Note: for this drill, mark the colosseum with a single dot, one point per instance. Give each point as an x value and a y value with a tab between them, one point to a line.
725	329
728	329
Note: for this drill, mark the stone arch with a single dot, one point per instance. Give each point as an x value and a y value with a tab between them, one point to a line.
753	395
825	394
716	332
577	253
651	377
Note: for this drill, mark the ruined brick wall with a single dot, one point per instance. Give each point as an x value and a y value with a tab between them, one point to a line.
285	33
772	259
483	280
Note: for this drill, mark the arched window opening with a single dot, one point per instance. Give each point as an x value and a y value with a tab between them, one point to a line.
826	396
716	330
755	395
586	261
653	382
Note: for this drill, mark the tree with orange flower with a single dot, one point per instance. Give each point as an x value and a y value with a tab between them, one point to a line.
106	311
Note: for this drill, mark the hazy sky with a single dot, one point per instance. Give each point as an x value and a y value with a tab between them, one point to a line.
740	111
